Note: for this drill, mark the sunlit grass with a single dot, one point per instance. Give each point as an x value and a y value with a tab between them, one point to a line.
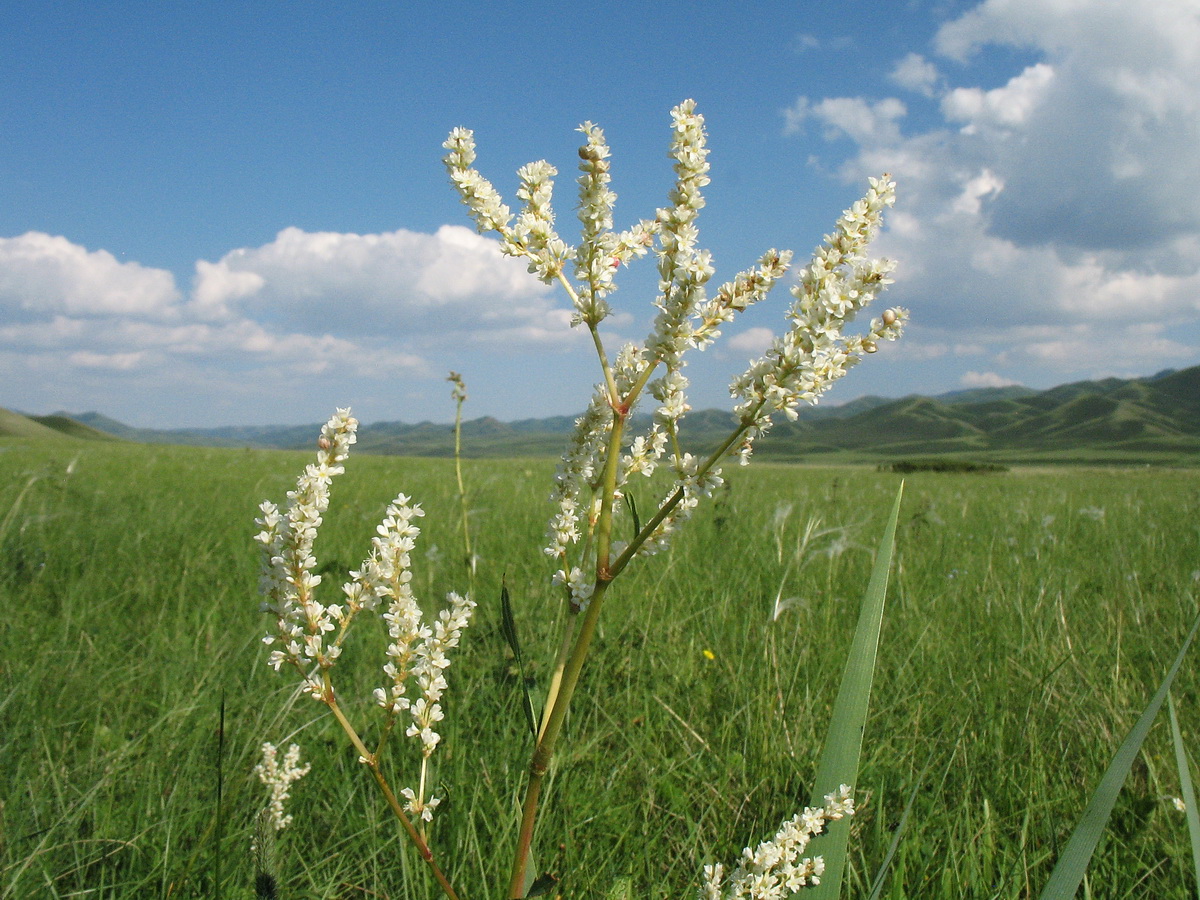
1031	617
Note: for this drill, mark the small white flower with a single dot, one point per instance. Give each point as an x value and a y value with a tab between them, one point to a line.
280	777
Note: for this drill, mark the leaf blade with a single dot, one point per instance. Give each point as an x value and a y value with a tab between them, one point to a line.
508	626
1073	862
843	744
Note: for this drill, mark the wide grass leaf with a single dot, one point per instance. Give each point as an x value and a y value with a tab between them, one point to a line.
843	746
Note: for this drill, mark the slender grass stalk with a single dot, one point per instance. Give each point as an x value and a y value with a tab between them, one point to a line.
219	825
459	395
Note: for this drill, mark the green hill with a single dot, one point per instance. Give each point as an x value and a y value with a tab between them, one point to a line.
14	424
1153	419
64	424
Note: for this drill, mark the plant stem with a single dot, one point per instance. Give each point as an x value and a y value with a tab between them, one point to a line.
560	660
544	751
460	397
560	702
372	763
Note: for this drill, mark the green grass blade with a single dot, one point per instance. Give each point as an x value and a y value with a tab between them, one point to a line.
901	826
508	626
1072	864
637	520
1186	791
843	746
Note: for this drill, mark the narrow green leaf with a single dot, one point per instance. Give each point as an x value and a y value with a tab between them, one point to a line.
843	745
1186	791
1072	864
637	522
894	844
509	627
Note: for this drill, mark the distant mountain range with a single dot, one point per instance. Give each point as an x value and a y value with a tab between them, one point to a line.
1151	420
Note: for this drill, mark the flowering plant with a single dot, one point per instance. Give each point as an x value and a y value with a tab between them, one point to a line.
596	468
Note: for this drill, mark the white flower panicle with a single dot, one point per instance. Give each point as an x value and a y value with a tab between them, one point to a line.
576	473
288	577
483	200
683	270
776	869
600	252
279	778
429	666
734	296
814	352
800	365
416	651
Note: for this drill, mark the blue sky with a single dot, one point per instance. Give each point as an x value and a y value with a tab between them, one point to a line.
236	213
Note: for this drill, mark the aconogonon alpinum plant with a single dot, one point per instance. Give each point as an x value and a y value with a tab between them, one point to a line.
801	364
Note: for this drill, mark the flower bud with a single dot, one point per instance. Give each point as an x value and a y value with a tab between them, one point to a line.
889	317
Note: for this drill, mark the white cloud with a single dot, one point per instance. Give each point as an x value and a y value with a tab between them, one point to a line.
453	286
985	380
916	73
123	362
854	117
804	42
42	274
309	315
1055	202
1002	107
752	341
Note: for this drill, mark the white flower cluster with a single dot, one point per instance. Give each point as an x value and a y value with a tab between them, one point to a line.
280	778
775	869
533	238
288	579
814	352
415	651
800	365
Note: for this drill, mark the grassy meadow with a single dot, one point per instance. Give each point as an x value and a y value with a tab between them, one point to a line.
1031	616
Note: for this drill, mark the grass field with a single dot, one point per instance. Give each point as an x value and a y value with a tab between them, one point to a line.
1032	614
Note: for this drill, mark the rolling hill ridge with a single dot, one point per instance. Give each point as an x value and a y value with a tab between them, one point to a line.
1153	419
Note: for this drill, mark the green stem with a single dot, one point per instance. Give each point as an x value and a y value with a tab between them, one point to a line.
560	660
544	752
373	764
469	558
605	573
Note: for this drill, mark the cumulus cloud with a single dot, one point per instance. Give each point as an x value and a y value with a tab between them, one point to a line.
450	286
853	117
1045	219
916	73
42	274
752	342
305	309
